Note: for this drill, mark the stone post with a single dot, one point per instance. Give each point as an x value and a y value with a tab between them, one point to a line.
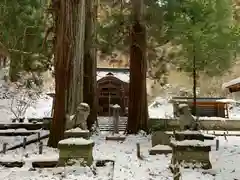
116	117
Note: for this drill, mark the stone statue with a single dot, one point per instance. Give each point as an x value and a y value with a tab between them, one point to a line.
186	119
80	118
83	111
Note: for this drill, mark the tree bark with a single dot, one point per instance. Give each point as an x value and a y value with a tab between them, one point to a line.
68	63
90	61
76	85
137	108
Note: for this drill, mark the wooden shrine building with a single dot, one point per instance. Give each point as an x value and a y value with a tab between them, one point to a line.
206	107
112	88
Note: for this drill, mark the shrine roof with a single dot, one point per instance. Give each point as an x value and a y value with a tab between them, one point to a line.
120	73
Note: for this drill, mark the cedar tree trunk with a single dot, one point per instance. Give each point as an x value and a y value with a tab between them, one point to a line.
137	108
89	89
67	43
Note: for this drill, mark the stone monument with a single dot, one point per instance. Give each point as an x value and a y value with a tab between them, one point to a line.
80	118
116	117
83	111
188	145
76	125
186	119
75	149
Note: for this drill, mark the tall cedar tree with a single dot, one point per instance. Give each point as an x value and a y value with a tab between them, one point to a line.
62	63
68	54
90	65
137	108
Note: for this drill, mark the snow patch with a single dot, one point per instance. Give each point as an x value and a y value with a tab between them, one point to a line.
161	147
77	130
160	108
190	143
76	141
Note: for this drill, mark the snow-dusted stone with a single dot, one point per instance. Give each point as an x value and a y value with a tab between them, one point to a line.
116	111
189	135
116	137
160	149
77	133
191	151
78	149
160	137
11	164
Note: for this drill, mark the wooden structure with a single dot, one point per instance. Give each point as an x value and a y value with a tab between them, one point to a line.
206	107
233	85
112	90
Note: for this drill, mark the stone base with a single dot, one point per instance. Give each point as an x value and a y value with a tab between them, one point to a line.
45	164
77	133
160	149
197	154
74	150
116	138
12	164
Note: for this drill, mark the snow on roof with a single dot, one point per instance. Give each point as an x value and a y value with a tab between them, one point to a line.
116	106
123	76
76	141
78	130
231	83
199	99
226	101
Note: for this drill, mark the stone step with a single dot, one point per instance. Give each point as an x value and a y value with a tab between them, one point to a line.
160	149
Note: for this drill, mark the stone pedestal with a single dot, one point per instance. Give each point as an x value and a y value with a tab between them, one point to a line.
195	152
77	133
78	149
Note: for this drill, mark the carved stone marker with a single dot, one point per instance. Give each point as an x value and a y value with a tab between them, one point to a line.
116	111
115	133
160	143
160	137
78	149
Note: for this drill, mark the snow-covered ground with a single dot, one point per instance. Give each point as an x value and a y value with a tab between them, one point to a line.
127	165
